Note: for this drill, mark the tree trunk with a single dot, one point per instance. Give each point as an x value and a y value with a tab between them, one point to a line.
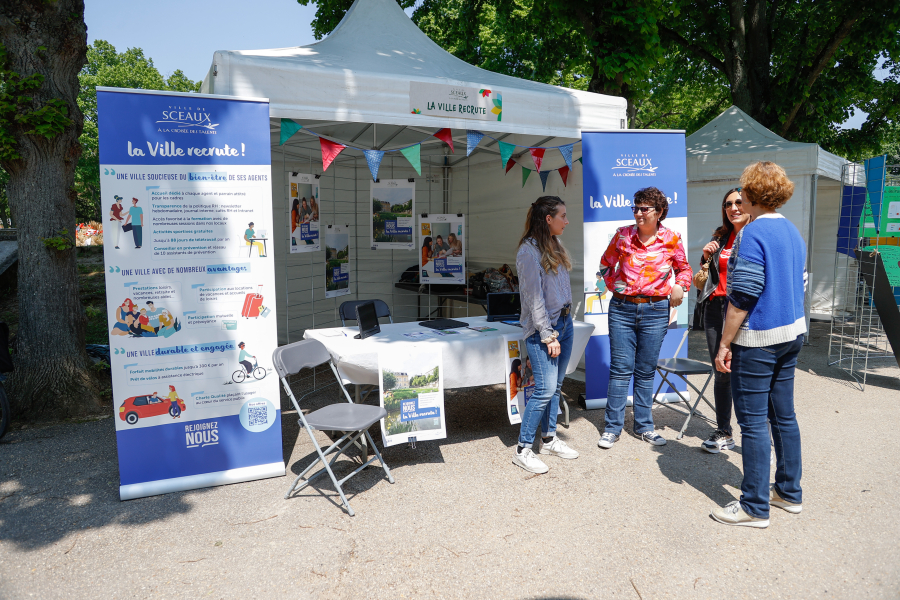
53	376
736	57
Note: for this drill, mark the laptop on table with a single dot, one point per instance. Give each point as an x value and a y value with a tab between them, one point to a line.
504	306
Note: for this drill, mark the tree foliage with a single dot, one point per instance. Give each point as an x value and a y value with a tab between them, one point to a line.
800	68
108	68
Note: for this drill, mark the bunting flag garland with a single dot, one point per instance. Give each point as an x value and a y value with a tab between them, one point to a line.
544	175
473	137
446	136
373	159
414	156
412	153
330	150
288	128
566	152
506	152
537	155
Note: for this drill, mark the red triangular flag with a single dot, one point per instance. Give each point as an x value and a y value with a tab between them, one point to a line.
330	150
564	173
537	155
445	135
510	164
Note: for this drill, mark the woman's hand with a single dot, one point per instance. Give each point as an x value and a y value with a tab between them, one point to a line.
723	359
709	249
553	349
677	296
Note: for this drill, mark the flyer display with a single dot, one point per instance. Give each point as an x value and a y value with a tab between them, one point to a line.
411	386
337	261
190	289
519	377
393	206
616	165
442	243
304	214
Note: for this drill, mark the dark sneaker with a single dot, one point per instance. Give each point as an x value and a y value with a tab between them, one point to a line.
718	441
607	440
651	437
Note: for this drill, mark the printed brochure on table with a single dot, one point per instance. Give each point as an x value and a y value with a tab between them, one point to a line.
190	289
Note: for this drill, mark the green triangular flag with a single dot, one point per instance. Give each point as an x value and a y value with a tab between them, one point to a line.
288	128
579	160
506	151
413	155
525	174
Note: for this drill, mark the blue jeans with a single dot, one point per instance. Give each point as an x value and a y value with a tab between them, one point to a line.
762	383
549	374
636	333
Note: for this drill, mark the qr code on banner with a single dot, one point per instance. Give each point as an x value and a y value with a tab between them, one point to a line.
258	415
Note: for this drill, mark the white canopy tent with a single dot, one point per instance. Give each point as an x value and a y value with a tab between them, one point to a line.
354	87
719	152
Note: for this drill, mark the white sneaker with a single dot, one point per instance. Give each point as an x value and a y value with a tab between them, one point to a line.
559	448
734	514
607	440
528	461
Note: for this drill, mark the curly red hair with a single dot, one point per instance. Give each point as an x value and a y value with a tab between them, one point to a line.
766	184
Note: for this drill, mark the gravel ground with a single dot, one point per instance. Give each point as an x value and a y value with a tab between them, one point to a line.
463	522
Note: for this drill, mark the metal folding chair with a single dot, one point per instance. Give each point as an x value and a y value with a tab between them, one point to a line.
682	367
351	419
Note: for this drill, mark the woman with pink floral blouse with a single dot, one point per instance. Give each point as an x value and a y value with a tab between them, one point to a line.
638	266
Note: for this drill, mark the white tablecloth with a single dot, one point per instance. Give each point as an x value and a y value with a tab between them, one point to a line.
471	358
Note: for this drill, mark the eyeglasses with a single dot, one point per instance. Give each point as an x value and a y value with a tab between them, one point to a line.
735	203
642	209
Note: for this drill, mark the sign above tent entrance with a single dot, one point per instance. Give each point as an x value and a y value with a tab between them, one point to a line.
439	100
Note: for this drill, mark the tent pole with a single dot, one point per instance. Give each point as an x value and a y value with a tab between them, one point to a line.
810	244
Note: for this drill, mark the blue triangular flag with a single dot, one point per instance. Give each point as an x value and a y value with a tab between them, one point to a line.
373	159
288	128
473	137
544	175
566	152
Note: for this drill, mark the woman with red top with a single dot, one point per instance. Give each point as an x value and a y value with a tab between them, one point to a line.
115	215
637	266
709	312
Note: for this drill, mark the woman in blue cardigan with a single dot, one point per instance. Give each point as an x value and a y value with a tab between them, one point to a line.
761	338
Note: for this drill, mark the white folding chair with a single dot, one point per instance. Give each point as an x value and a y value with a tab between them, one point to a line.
682	367
352	419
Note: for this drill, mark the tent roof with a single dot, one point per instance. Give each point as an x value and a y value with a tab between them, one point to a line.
362	70
724	146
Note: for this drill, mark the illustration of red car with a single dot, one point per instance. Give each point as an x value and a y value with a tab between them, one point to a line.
141	407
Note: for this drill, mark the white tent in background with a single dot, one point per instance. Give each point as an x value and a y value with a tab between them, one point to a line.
716	156
354	87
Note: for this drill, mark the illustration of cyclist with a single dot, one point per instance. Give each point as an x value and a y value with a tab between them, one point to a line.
242	358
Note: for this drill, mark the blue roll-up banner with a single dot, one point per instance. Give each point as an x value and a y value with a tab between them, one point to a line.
616	165
190	287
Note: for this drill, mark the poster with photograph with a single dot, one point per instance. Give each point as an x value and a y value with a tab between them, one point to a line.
442	244
190	290
337	261
519	377
393	207
411	386
304	213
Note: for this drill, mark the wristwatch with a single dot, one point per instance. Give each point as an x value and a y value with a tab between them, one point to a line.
685	288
